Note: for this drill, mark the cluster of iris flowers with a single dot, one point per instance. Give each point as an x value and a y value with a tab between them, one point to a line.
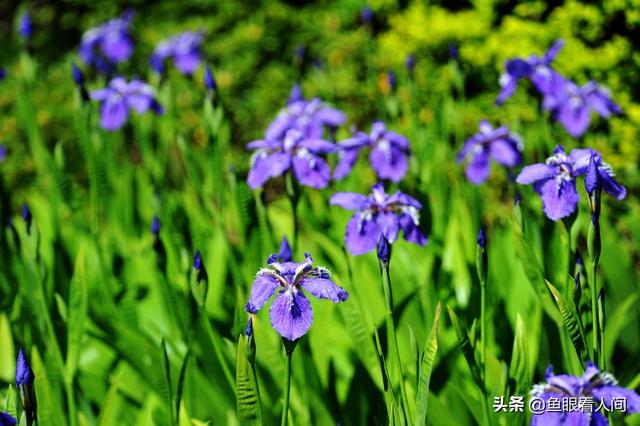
555	179
105	46
569	103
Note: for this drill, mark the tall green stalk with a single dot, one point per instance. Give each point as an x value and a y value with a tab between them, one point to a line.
384	256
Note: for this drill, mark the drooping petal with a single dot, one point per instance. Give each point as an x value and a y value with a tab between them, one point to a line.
264	144
534	173
404	199
140	102
608	392
318	146
346	160
348	200
291	314
505	152
311	170
362	234
389	162
508	85
412	232
117	47
329	116
611	186
266	166
397	139
263	288
581	158
478	168
518	68
187	62
574	115
558	199
279	126
113	114
101	94
389	225
325	289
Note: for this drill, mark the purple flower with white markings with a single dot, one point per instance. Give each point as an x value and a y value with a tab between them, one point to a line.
499	144
596	384
379	213
555	180
389	155
184	49
572	104
121	96
291	314
537	69
108	44
302	155
7	419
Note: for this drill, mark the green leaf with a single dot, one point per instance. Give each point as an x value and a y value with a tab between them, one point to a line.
10	405
77	314
180	385
426	366
168	394
571	323
246	393
466	346
7	354
519	370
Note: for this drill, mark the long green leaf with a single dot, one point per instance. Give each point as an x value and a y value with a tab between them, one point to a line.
77	314
466	346
426	366
246	394
519	370
571	323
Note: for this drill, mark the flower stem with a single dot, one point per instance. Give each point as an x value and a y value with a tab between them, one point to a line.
393	339
287	389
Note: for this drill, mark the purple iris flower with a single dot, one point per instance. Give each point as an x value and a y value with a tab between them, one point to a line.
377	214
596	384
389	155
555	180
309	117
109	43
294	140
291	314
572	104
498	144
303	155
119	97
24	26
7	419
537	69
183	48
